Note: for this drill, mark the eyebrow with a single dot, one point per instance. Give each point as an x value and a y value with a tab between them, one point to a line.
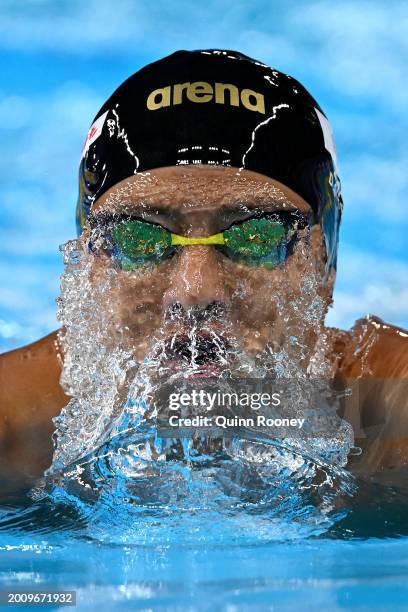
232	216
128	212
247	208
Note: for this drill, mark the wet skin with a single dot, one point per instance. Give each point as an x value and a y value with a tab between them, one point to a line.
200	201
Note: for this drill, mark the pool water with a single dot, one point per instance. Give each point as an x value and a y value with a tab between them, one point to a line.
201	552
132	520
314	574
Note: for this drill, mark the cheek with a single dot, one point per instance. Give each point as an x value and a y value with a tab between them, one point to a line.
269	305
258	294
132	305
255	295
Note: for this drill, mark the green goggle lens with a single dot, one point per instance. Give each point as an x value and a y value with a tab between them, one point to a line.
255	242
136	243
254	238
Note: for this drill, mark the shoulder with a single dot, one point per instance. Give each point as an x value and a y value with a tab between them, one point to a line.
372	348
30	396
36	359
29	377
39	349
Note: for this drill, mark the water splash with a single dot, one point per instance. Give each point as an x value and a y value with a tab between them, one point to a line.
110	462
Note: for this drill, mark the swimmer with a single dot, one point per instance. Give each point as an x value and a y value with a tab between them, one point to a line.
208	190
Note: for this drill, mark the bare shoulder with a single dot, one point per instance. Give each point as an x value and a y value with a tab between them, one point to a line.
31	371
376	353
372	348
30	395
35	350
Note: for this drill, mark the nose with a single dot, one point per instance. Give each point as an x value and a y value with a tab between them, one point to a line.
197	279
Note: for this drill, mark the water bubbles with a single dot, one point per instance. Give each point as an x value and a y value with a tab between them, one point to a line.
109	454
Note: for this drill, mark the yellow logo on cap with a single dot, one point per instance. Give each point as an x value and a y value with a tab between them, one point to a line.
200	91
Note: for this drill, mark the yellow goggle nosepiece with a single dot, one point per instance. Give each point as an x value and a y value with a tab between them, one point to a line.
183	240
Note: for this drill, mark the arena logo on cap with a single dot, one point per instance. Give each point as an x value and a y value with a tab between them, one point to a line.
94	132
201	92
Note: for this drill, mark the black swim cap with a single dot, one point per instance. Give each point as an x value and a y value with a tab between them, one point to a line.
215	107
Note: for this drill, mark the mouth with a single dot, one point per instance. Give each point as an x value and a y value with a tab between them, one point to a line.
198	356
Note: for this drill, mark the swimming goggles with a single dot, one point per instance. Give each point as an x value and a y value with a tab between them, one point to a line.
265	241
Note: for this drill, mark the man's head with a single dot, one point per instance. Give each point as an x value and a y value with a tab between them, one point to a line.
218	108
208	214
197	143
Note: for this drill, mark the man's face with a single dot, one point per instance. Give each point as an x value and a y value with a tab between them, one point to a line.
229	303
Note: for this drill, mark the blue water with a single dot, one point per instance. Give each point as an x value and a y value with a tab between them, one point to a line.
207	531
150	543
246	524
308	575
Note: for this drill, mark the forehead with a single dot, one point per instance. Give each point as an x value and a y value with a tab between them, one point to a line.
194	188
